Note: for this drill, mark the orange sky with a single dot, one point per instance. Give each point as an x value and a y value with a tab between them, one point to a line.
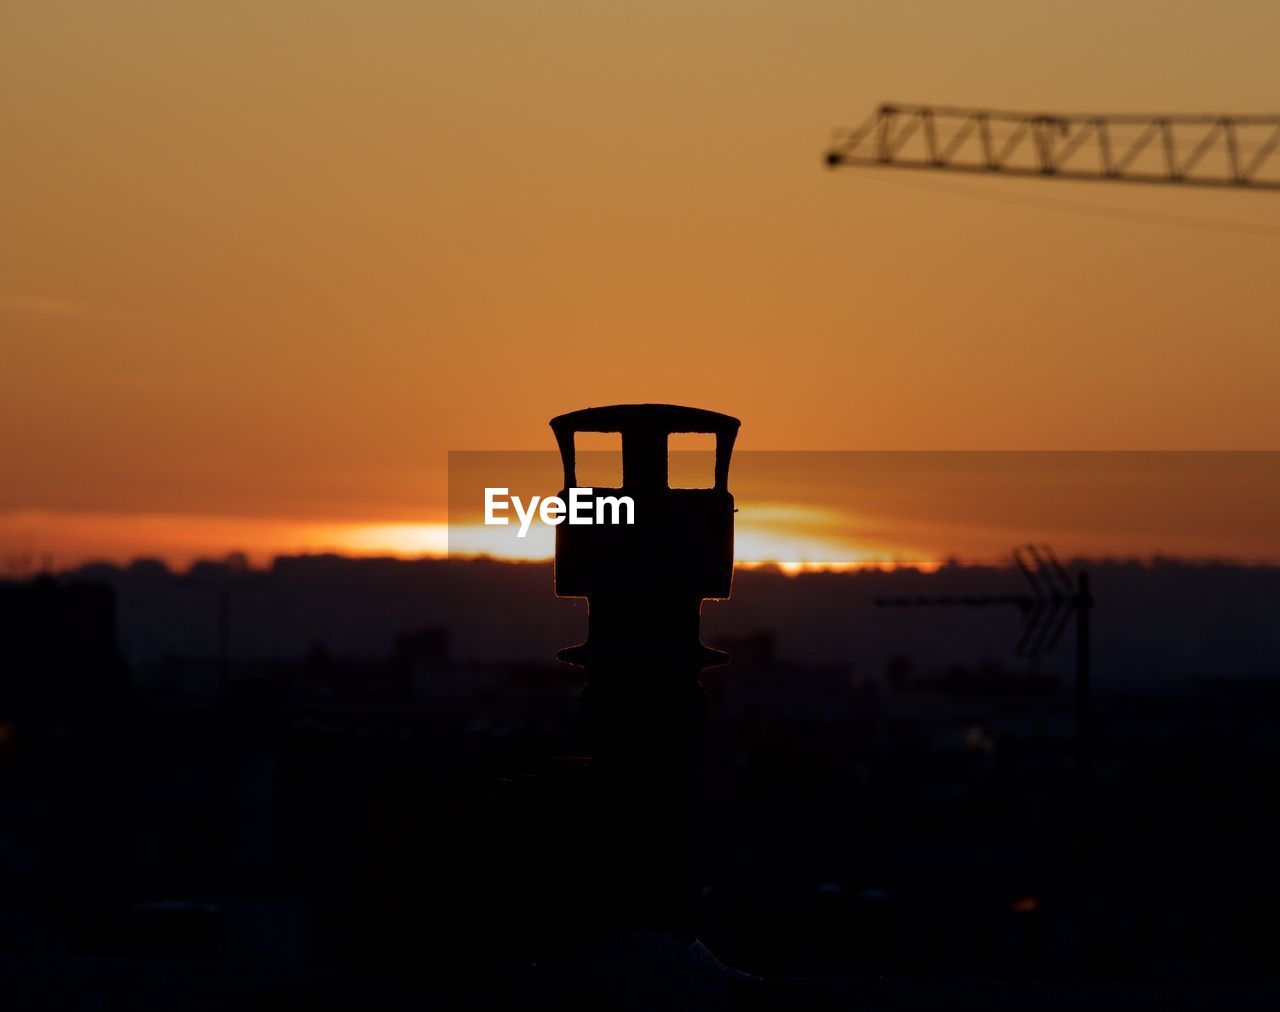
269	262
890	507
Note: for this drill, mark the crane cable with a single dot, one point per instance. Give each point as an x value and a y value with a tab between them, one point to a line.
1094	210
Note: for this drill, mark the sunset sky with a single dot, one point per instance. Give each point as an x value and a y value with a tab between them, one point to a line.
262	265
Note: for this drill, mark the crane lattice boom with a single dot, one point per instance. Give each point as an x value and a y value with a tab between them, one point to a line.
1189	150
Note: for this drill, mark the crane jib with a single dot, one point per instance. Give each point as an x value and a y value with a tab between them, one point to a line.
1191	150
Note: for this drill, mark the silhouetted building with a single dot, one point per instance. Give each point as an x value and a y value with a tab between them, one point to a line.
57	648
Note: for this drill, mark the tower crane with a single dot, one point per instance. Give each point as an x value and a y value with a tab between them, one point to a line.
1186	150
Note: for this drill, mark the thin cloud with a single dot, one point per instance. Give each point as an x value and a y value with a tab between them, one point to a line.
39	305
